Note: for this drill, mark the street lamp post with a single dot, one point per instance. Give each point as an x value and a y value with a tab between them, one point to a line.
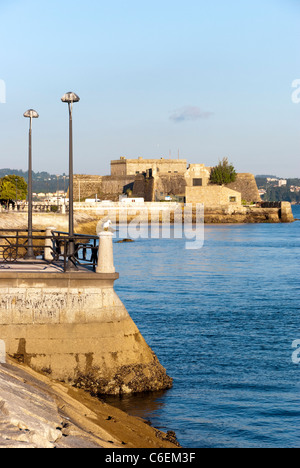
30	114
70	98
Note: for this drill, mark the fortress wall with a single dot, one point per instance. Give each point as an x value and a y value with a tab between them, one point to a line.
116	185
74	327
169	185
246	185
87	186
106	187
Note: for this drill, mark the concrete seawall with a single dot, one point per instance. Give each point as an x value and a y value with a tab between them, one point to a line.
266	213
73	327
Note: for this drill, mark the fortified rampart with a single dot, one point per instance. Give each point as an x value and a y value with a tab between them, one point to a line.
105	187
169	185
247	186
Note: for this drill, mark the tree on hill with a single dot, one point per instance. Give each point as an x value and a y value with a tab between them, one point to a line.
12	188
222	174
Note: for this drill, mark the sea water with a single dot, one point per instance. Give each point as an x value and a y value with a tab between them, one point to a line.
222	320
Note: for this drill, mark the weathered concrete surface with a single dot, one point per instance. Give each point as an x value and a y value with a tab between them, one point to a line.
36	412
286	213
74	328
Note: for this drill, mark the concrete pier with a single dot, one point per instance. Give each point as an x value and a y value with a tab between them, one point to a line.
73	327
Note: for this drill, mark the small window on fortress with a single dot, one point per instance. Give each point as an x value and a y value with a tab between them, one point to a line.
137	172
232	199
175	172
197	182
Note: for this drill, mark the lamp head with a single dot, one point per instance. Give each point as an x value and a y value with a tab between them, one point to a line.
31	114
70	98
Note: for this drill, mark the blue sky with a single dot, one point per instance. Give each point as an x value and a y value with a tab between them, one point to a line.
207	79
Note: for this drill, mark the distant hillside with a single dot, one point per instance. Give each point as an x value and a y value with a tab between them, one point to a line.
42	181
265	176
273	192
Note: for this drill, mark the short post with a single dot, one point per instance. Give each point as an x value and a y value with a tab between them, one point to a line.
49	245
2	352
106	253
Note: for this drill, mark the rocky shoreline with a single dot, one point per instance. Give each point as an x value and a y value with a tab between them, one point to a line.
37	412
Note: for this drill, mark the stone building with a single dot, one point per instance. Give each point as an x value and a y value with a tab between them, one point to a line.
213	195
156	179
132	167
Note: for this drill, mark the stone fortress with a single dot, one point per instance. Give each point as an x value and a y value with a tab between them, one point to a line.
156	179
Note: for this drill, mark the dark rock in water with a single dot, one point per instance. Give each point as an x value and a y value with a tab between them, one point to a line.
124	241
170	437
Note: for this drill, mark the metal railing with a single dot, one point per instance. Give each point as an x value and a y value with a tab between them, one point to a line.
49	250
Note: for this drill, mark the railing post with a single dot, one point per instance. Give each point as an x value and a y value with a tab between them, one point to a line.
106	253
49	244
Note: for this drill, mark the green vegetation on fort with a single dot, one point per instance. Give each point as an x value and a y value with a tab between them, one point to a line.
224	173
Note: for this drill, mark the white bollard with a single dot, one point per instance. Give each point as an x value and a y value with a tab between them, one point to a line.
49	245
106	253
2	352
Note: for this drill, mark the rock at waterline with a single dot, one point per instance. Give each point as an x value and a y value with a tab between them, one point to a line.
123	241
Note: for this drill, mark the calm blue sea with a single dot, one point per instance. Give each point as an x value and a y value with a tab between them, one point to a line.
222	321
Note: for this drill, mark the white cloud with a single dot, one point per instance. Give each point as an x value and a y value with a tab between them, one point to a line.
189	113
